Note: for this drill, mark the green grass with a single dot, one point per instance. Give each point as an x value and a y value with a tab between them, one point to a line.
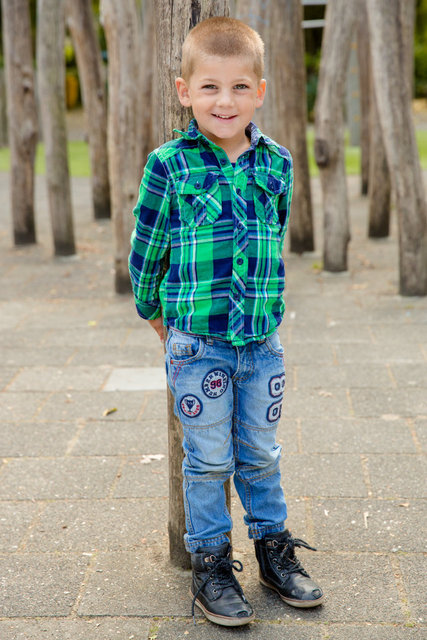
78	156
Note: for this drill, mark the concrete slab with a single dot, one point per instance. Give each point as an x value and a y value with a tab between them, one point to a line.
15	518
32	439
75	629
136	379
35	585
205	630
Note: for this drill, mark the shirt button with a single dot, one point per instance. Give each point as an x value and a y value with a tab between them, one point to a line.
239	260
239	192
223	161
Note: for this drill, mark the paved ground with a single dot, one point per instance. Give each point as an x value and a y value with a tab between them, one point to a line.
83	494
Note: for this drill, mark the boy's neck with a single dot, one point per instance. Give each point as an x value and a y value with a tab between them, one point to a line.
233	147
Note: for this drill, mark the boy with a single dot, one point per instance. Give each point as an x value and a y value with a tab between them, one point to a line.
215	203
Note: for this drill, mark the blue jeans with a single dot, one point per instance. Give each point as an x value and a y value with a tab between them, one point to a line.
229	401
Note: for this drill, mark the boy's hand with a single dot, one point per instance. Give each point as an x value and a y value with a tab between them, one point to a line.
157	325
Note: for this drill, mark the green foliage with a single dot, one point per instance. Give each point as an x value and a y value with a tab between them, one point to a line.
420	50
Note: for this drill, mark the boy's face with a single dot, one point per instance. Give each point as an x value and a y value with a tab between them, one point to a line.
223	93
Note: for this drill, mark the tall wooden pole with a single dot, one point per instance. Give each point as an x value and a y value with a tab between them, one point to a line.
388	21
120	22
173	21
51	90
22	116
290	79
81	25
329	141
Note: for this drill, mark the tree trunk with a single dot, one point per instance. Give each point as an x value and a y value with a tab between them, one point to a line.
148	84
88	53
329	142
379	180
290	80
51	88
387	19
173	21
22	116
120	22
365	96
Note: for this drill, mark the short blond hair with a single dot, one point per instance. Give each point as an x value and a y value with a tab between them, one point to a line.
225	37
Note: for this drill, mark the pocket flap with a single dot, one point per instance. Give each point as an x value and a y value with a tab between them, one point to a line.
196	183
269	183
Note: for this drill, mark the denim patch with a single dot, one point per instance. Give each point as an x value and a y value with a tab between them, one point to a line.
191	406
277	385
215	383
182	349
274	411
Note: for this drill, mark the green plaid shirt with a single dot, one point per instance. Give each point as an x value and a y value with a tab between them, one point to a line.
208	239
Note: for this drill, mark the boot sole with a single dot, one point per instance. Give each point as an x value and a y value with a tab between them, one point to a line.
222	620
299	604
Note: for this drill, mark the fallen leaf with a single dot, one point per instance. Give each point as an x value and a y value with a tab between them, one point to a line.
107	412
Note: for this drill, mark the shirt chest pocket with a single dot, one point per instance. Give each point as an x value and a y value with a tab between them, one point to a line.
267	190
199	199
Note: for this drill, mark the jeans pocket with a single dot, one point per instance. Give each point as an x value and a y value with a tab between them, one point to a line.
274	345
183	348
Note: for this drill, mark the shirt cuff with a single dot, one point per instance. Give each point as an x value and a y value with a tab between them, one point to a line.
148	311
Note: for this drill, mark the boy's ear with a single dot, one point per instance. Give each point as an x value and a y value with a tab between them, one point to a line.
260	93
183	93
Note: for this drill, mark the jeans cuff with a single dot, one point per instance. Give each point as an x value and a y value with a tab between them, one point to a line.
192	545
257	532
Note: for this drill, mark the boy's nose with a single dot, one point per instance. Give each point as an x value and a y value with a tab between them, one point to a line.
225	98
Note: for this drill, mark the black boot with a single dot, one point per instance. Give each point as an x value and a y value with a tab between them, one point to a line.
215	590
281	570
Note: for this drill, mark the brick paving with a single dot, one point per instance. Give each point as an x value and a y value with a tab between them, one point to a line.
83	448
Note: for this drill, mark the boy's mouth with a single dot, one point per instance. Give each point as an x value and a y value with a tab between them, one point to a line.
217	115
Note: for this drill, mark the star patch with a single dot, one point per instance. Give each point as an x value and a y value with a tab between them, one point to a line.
274	411
277	385
191	406
215	383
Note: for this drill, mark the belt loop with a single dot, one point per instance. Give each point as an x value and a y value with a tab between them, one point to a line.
261	341
209	340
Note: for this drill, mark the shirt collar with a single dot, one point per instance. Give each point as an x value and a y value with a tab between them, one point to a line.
255	134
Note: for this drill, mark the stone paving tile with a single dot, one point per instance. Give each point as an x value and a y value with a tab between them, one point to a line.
59	478
312	354
372	632
94	525
413	375
35	438
15	518
143	478
19	356
421	432
58	379
312	403
395	476
400	353
7	374
114	356
348	435
368	525
13	409
75	629
335	475
332	334
411	333
40	584
404	402
414	570
133	583
344	376
122	438
358	588
90	406
185	629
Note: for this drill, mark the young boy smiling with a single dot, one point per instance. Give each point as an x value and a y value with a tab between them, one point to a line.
213	209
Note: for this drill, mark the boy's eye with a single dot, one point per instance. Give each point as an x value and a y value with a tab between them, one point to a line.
209	86
241	86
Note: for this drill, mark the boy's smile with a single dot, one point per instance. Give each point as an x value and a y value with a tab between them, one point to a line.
223	93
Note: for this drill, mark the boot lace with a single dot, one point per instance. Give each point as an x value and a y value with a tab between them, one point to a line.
285	558
221	575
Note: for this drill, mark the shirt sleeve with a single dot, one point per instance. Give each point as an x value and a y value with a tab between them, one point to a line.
284	206
150	239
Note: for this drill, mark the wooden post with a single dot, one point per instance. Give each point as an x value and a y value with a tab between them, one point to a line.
363	58
173	21
81	25
51	91
388	21
120	22
379	179
22	116
290	81
329	140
